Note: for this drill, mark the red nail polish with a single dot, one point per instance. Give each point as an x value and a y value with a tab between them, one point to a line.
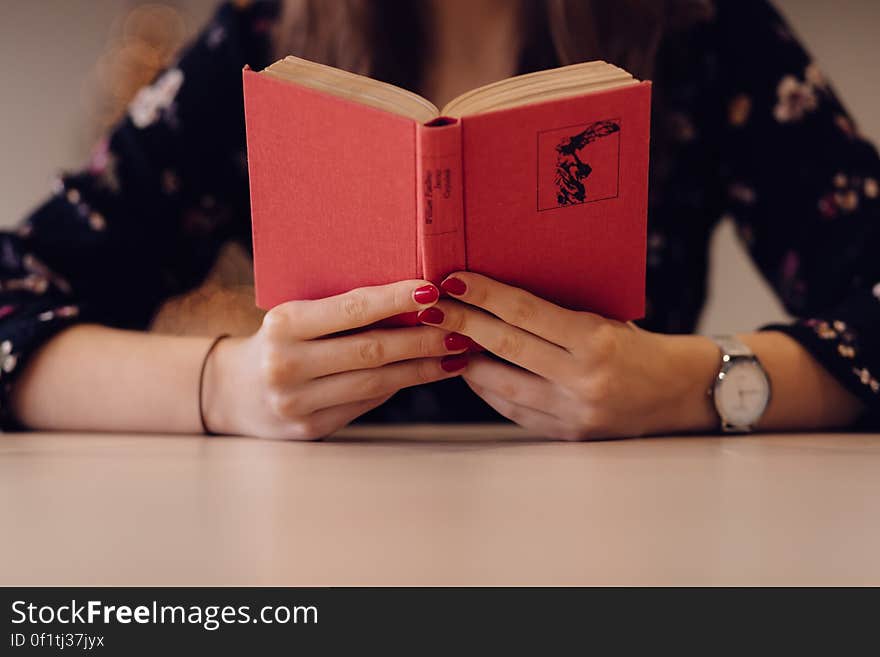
453	363
431	316
453	286
426	294
456	341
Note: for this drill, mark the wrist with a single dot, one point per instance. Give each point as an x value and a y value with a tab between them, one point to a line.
693	362
218	394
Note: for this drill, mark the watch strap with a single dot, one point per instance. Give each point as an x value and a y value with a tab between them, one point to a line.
730	346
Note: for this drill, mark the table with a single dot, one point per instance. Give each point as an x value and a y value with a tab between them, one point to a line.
412	505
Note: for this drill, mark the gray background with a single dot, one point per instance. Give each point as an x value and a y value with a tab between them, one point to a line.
49	50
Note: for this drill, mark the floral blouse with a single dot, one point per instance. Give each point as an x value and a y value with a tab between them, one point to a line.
756	133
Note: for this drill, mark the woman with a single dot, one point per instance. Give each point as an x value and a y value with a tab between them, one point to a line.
744	124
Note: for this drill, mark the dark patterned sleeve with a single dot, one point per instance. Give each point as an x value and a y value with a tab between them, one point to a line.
145	218
804	188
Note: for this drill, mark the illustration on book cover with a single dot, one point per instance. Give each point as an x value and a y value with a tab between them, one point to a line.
578	164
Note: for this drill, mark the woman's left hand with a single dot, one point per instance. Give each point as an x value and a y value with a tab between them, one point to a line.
576	375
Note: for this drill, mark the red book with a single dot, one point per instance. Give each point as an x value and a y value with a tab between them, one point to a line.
539	181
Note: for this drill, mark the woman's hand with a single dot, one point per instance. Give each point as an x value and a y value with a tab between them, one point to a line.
579	375
295	379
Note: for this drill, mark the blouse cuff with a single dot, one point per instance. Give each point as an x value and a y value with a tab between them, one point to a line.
25	327
845	343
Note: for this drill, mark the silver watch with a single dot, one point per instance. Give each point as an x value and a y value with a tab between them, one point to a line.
741	390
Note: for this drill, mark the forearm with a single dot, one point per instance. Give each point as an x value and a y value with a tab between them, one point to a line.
804	395
92	378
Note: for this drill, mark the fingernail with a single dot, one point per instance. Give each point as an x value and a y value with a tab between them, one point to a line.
453	286
426	294
453	363
431	316
456	341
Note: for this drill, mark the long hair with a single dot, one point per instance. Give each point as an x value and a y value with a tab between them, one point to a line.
384	38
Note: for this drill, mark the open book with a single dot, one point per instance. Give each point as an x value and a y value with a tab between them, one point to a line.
539	180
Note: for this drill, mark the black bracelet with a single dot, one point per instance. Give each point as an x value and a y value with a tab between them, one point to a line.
214	343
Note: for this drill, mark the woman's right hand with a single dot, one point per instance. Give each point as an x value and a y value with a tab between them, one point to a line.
294	379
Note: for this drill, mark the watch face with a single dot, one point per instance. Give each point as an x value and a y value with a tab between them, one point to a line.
742	394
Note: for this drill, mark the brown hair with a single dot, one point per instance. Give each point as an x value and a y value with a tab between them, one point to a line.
382	38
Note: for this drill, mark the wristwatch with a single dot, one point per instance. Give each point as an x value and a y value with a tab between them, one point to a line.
741	390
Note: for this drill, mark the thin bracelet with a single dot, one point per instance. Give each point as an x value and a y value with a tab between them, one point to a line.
214	343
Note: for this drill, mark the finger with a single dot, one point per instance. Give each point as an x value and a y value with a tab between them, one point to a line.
509	342
513	384
372	349
512	304
359	385
327	421
541	423
356	308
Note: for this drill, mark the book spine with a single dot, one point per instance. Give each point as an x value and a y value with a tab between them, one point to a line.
440	199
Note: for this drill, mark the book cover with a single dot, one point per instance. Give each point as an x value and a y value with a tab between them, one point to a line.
550	197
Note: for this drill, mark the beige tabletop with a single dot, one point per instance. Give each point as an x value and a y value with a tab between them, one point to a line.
434	505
